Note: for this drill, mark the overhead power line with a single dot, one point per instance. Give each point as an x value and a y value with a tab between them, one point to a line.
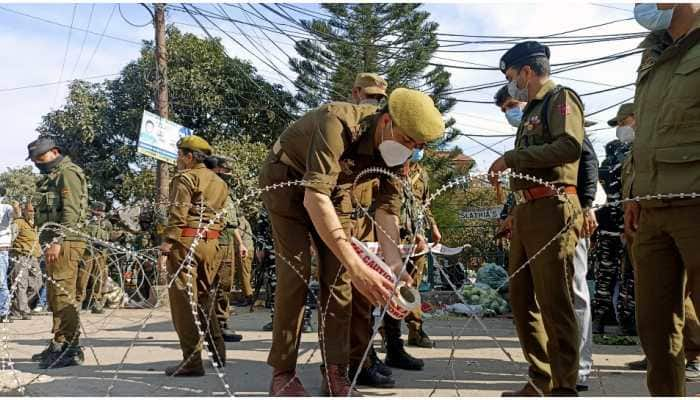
82	45
39	85
99	40
68	26
132	23
65	54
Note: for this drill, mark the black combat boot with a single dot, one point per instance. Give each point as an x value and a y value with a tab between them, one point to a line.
371	377
62	355
379	364
40	356
397	357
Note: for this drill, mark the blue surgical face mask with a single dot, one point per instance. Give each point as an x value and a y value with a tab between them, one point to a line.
514	115
650	17
417	155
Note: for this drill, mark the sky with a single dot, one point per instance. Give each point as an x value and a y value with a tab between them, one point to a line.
41	52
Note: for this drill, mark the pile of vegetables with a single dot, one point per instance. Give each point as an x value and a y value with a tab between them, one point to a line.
483	295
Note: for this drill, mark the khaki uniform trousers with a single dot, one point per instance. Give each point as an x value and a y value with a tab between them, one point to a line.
94	266
293	232
61	292
542	293
691	332
242	270
203	283
414	320
224	260
665	252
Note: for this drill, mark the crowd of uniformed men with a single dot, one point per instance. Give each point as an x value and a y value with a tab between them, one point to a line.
645	249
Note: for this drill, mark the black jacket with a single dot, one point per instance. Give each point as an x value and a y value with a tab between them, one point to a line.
587	181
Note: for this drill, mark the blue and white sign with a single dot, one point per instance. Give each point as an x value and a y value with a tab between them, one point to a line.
158	137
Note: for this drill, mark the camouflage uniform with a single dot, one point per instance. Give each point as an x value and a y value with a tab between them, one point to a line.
610	250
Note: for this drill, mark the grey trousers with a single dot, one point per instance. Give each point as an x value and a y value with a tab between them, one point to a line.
582	308
26	275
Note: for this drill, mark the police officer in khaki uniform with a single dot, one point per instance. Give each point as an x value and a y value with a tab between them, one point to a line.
62	192
368	89
225	258
547	146
327	148
197	195
419	181
244	261
665	159
94	266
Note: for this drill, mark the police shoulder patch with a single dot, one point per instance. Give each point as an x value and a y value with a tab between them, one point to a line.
564	109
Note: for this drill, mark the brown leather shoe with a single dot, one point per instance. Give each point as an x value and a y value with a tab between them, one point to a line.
191	370
286	384
335	381
527	391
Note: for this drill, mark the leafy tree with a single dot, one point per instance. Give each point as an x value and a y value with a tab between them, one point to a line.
20	183
448	207
246	159
216	96
395	40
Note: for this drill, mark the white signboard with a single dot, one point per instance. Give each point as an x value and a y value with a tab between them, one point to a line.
481	213
158	137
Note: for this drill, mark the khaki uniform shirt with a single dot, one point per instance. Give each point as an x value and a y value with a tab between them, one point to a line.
63	199
551	156
189	191
666	149
26	242
230	222
330	146
245	231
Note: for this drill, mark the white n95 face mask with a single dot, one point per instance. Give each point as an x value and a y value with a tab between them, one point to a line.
394	153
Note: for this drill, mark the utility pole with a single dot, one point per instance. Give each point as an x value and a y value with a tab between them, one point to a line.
162	175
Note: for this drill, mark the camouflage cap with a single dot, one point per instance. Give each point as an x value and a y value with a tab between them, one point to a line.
40	146
623	112
371	83
194	143
415	114
98	206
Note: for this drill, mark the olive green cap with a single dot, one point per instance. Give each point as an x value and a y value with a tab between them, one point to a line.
194	143
623	112
415	114
371	83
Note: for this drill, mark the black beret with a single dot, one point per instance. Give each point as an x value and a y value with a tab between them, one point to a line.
521	52
40	146
212	162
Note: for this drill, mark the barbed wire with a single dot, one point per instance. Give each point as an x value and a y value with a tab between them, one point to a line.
141	256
